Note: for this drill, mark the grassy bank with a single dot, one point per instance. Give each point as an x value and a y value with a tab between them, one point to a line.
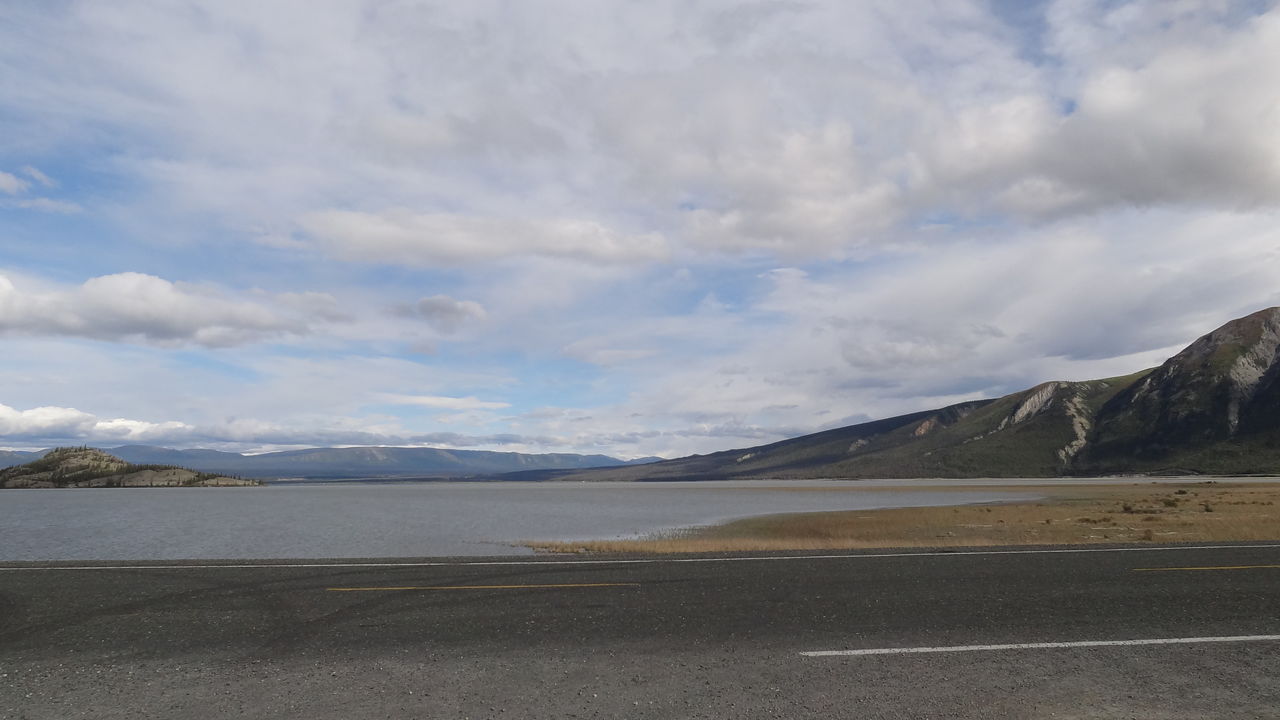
1143	512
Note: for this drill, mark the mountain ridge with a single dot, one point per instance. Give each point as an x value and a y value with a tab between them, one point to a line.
370	462
1212	408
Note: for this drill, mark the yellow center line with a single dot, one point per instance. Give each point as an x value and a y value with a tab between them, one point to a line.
481	587
1193	569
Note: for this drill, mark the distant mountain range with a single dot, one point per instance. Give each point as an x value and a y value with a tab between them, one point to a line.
357	462
1212	408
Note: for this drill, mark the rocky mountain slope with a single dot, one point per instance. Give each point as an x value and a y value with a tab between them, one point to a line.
1212	408
88	467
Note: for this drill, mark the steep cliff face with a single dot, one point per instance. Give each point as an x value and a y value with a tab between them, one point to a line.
1223	388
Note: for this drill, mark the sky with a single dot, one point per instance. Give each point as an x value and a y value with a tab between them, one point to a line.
632	228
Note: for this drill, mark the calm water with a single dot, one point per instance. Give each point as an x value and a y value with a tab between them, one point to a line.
402	520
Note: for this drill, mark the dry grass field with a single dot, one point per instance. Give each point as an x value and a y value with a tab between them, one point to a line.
1142	512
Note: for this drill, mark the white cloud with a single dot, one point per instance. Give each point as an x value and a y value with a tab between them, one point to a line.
1191	123
45	426
12	184
981	318
404	237
43	421
61	207
596	352
443	402
447	314
1168	104
803	194
67	424
134	307
966	208
35	174
800	130
315	304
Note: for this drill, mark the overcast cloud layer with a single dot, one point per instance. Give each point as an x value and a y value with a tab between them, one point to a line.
631	228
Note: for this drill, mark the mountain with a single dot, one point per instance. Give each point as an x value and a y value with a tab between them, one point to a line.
9	458
644	460
154	454
1212	408
90	467
357	462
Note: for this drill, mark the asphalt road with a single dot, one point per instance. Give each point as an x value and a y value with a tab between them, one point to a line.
713	638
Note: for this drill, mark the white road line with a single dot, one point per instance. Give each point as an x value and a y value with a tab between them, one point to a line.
637	561
1040	645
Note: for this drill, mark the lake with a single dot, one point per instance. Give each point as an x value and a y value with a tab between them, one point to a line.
369	519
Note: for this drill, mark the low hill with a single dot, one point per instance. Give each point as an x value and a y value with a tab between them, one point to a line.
1212	408
89	467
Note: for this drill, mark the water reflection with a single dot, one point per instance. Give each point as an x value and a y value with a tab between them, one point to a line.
405	519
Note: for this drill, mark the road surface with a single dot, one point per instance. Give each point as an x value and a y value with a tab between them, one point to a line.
1146	632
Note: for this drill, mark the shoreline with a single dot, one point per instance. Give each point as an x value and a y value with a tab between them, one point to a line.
1143	511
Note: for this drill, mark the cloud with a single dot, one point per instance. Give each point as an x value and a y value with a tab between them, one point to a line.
60	207
62	424
12	184
1176	113
35	174
1189	124
981	318
442	402
405	237
315	304
43	422
591	351
447	314
44	426
686	220
793	130
805	194
134	307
